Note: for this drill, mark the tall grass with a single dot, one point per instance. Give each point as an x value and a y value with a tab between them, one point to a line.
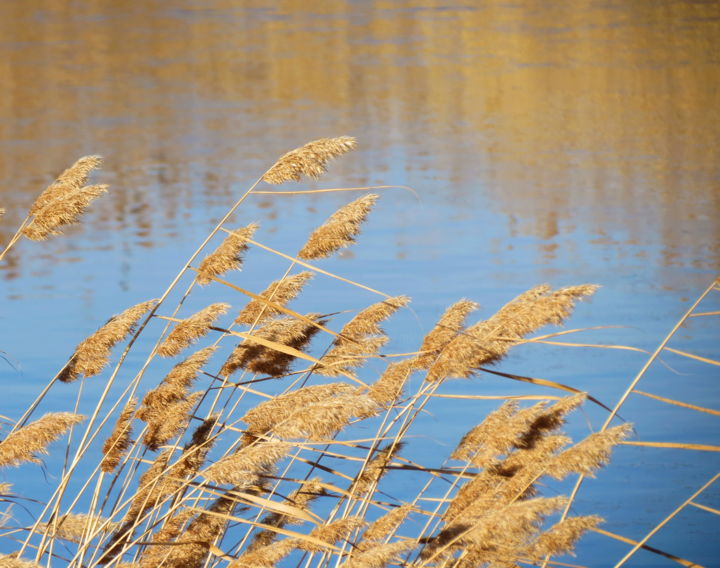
273	435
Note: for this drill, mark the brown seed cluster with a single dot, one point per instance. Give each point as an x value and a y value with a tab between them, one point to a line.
92	354
228	256
258	358
309	160
340	230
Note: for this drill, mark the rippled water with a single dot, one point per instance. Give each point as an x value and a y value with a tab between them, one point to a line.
546	142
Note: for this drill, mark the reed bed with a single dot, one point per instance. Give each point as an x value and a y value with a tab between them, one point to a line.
279	438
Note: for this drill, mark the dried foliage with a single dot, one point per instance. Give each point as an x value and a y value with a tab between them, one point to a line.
73	178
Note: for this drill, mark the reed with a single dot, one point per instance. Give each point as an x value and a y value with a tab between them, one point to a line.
244	454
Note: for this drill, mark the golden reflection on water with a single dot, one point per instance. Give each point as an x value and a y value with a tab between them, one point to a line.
603	116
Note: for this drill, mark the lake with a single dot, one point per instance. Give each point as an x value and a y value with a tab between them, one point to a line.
565	142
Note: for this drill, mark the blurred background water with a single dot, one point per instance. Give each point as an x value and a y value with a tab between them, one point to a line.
563	142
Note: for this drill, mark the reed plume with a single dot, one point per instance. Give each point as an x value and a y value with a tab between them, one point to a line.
389	387
228	256
588	455
73	178
380	555
384	527
92	354
119	440
63	211
245	466
22	445
360	338
340	230
266	556
191	329
310	159
375	469
300	498
258	358
165	425
175	385
12	561
488	341
266	415
448	326
74	527
162	541
561	537
322	420
280	292
330	533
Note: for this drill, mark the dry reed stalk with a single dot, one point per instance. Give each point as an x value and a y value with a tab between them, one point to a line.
561	537
5	488
12	561
448	326
165	425
379	555
360	338
300	498
61	212
488	341
266	415
119	440
93	353
266	556
74	177
310	159
228	256
588	455
323	420
74	527
280	292
243	468
330	533
258	358
22	445
384	527
152	487
340	229
375	469
389	387
191	329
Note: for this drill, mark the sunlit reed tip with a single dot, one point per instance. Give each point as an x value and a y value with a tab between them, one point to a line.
331	533
227	256
93	353
310	160
22	445
73	178
340	230
191	329
63	211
